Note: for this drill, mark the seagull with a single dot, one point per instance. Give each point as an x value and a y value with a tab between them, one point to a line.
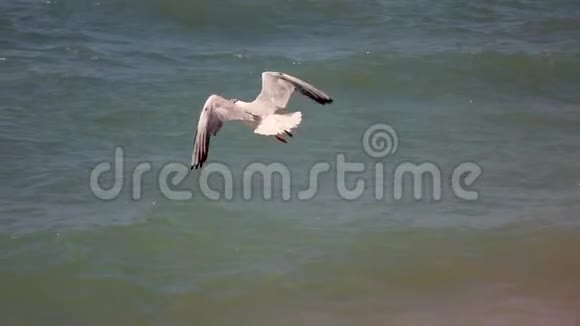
267	115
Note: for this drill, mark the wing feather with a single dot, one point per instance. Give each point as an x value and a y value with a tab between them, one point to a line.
278	88
214	113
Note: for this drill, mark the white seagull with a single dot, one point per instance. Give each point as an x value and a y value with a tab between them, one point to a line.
266	115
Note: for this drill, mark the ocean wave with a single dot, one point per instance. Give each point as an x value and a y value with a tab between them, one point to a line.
254	14
435	73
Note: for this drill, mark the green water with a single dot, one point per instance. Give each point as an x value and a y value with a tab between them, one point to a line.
494	84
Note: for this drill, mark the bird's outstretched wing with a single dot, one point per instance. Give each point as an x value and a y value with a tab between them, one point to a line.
215	112
278	87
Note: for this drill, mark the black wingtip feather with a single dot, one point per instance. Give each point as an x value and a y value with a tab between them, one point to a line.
318	98
201	151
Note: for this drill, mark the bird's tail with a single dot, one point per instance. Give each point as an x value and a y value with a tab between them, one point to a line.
277	124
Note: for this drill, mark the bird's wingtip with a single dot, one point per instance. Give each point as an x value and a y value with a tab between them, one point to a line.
325	101
196	166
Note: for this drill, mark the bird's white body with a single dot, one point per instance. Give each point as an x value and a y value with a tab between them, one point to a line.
267	119
266	115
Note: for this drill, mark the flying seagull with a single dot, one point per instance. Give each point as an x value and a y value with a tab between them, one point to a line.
266	115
